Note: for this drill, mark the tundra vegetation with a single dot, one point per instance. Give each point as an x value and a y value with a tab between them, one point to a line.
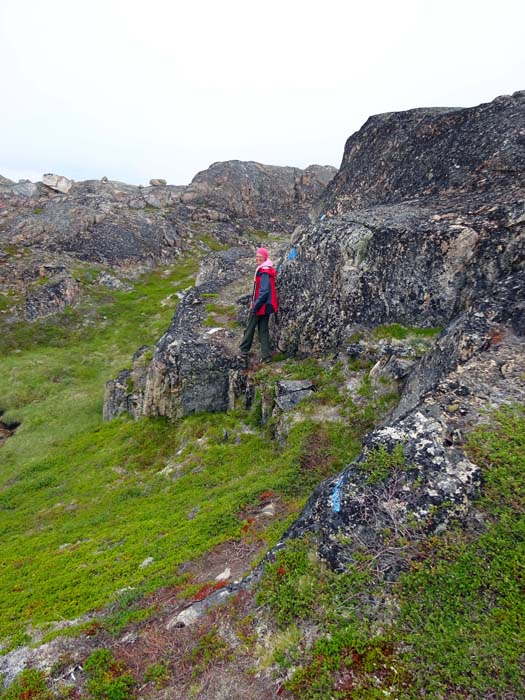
97	518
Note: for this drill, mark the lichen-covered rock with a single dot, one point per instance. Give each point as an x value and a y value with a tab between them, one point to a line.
477	364
426	213
416	264
423	225
47	299
289	393
400	155
266	195
194	368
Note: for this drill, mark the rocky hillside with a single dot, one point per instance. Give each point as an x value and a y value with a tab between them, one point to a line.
397	395
423	225
50	229
269	195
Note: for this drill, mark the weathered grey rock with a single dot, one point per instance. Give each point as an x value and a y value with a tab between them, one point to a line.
189	372
287	402
47	299
264	194
196	365
452	255
125	394
406	263
422	152
157	182
406	236
478	364
25	188
289	386
194	612
225	266
289	393
57	182
111	282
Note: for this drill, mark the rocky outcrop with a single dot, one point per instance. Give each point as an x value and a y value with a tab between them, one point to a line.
413	477
430	244
191	368
195	366
133	228
46	299
416	264
269	197
423	225
423	152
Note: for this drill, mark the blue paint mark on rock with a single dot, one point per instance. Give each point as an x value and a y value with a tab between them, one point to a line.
292	254
336	496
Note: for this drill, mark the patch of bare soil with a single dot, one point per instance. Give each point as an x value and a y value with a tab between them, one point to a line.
214	658
210	660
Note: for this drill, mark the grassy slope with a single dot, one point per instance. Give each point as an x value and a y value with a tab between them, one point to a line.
82	501
453	627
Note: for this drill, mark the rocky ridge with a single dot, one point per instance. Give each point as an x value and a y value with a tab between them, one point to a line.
428	249
444	251
59	223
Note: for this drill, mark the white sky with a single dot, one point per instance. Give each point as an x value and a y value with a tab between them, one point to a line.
135	90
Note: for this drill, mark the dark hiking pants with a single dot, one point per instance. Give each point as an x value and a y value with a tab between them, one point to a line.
261	323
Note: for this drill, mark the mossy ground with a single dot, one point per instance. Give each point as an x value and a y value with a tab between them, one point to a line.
457	617
85	503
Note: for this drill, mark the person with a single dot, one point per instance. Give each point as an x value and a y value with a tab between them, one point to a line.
264	303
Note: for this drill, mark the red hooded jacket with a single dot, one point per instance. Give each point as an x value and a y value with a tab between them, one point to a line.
264	300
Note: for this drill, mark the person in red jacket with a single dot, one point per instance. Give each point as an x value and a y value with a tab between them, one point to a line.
264	303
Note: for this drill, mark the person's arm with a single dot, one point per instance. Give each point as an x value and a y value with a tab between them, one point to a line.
264	292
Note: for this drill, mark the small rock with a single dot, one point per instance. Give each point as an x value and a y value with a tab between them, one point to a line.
147	562
269	510
129	638
184	618
225	575
158	182
59	183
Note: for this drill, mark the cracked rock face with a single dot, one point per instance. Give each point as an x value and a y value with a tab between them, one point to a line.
264	194
410	263
438	482
426	213
45	300
423	225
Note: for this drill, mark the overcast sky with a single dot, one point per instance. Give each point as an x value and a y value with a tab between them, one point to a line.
135	90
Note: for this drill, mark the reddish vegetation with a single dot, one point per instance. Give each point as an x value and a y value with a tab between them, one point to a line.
208	589
496	335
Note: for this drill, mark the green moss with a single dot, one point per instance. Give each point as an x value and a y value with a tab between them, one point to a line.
29	685
220	315
257	235
399	332
380	463
108	678
212	243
